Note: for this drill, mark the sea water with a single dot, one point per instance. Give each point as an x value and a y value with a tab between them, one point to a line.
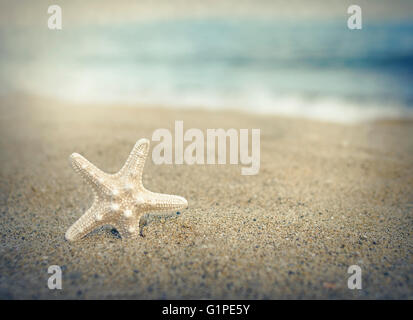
316	69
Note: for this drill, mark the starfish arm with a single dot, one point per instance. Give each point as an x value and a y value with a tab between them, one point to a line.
159	202
90	220
136	161
91	174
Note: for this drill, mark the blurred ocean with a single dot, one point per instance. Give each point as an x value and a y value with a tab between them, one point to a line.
316	69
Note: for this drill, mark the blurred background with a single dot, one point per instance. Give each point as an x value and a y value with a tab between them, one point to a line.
295	58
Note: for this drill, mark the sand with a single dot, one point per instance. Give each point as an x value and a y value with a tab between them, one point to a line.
327	196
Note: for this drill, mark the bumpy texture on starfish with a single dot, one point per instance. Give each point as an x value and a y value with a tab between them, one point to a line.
120	199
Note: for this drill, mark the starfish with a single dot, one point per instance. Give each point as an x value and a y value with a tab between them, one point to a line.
120	199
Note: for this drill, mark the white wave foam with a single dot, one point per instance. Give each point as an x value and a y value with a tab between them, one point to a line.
253	100
334	109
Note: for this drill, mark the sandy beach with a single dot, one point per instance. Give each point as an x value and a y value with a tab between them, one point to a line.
327	196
